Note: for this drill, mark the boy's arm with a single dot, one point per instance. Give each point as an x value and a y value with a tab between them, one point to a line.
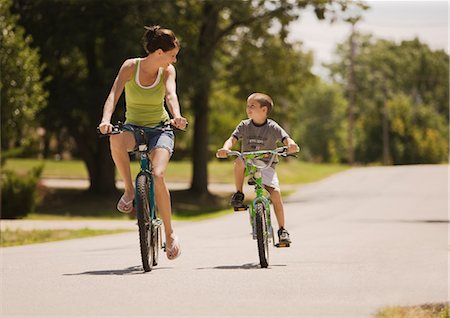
292	146
228	144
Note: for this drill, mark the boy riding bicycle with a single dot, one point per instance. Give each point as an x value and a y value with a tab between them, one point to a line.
260	133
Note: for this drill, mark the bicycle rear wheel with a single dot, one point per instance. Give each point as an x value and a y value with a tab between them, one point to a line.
262	236
144	222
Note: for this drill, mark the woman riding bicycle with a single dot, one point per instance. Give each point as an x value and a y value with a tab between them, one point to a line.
148	82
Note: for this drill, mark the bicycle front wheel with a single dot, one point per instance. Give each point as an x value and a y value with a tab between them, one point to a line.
262	235
144	221
156	241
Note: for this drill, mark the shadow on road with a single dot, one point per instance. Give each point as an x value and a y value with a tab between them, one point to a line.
245	266
135	270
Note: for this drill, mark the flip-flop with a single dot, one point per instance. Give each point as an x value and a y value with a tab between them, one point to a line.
175	248
128	205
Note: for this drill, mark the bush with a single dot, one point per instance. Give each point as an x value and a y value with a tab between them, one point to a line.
18	193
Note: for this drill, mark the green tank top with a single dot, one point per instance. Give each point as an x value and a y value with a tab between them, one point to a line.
145	104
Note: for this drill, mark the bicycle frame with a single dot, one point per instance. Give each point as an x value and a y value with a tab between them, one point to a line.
146	169
255	173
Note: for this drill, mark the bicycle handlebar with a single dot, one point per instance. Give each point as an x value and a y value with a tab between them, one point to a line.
281	151
118	129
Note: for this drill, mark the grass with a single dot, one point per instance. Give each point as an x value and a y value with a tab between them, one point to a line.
437	310
21	237
75	203
289	171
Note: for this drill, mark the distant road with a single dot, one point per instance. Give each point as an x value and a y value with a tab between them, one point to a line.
362	239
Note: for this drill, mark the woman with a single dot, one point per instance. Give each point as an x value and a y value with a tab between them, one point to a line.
147	82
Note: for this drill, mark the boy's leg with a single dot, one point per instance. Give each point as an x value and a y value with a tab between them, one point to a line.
277	202
271	183
239	174
237	199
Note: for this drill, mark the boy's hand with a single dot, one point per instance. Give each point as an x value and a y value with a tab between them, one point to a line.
293	148
222	153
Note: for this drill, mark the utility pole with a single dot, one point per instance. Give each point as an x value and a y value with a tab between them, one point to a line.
351	93
385	126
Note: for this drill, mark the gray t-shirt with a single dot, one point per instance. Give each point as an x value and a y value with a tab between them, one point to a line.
259	137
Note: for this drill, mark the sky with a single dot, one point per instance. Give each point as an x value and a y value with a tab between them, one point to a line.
392	20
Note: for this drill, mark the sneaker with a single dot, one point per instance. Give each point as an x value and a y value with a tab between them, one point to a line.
283	236
237	199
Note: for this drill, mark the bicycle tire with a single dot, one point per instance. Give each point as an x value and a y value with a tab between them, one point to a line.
144	221
156	232
262	235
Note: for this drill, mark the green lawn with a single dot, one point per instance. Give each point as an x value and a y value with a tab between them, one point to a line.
21	237
289	172
75	203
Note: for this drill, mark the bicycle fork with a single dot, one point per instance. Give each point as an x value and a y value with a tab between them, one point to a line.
266	204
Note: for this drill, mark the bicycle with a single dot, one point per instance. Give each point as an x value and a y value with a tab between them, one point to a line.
149	224
260	210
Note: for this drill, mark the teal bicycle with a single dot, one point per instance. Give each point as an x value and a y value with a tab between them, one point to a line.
260	210
149	224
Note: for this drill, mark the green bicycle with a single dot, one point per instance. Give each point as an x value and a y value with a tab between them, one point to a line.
260	210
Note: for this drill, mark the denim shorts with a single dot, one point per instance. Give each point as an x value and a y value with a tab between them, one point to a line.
155	138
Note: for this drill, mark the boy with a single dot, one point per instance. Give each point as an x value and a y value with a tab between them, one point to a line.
259	133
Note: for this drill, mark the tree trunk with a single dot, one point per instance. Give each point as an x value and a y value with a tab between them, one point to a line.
351	98
199	183
206	47
101	168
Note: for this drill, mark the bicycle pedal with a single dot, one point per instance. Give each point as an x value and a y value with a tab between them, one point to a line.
279	245
241	208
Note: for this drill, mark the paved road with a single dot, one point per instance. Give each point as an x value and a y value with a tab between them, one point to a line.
363	239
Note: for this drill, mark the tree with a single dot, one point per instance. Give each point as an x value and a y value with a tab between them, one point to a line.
383	71
322	122
83	44
271	65
211	25
22	84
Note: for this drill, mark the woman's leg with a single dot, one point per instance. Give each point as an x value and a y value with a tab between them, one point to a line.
160	158
121	144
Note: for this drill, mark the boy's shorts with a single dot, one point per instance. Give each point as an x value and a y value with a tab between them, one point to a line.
270	178
155	139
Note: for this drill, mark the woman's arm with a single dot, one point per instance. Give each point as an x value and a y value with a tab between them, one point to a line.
124	75
172	98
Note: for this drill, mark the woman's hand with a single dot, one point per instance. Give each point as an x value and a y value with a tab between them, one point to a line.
105	127
179	122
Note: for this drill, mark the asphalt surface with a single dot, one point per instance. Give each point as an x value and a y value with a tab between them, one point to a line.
362	239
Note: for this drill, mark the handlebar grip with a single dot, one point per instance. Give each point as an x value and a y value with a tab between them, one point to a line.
116	129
